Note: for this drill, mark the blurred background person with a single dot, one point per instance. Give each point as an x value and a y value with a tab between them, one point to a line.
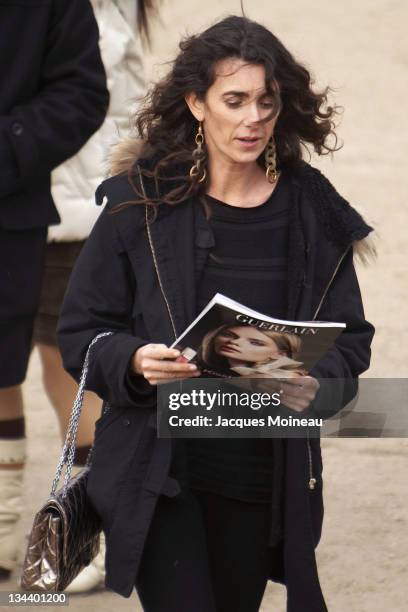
53	98
123	27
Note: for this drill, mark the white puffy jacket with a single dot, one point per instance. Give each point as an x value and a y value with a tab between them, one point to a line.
74	182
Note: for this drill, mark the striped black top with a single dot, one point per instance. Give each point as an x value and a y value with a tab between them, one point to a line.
249	260
248	263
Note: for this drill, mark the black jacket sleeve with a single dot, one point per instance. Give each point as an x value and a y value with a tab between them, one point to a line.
70	105
340	367
100	297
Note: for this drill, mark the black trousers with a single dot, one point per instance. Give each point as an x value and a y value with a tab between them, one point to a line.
205	553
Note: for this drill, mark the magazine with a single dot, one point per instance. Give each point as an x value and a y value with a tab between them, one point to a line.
227	339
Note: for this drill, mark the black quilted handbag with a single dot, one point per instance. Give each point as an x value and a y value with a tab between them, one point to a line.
65	533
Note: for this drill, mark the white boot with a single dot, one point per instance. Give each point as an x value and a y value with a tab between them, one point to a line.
11	503
93	575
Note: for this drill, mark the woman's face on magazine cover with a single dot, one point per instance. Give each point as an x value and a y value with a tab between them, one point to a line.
245	344
232	109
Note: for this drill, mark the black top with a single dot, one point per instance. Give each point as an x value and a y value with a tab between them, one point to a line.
250	253
248	263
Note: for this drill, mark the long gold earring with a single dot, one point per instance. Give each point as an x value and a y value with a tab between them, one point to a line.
199	157
270	161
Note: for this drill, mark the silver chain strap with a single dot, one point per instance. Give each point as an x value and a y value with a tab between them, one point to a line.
68	450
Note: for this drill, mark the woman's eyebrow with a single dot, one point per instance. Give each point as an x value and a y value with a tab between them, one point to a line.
244	94
240	94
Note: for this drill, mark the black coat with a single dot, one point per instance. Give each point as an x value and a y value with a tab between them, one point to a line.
53	98
116	286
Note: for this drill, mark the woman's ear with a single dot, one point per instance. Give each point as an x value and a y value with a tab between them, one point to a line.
195	105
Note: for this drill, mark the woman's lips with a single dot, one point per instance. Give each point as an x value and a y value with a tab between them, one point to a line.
248	143
228	349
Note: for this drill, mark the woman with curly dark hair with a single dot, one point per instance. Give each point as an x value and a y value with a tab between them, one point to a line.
214	196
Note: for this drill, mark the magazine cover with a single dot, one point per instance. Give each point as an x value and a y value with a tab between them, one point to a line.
228	339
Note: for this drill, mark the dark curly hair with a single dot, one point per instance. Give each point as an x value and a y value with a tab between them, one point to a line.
165	126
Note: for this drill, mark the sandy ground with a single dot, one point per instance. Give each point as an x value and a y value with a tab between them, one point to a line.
360	49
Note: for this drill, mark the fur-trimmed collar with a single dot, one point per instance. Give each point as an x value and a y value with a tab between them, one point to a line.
342	224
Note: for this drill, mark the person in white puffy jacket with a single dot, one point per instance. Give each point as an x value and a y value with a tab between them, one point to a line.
122	26
74	182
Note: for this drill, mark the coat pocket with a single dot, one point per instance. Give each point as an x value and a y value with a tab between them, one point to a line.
169	488
109	415
117	435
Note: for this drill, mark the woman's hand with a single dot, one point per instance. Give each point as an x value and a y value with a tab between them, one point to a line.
156	362
299	392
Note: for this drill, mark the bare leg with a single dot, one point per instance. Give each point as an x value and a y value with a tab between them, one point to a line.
11	403
61	390
11	407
